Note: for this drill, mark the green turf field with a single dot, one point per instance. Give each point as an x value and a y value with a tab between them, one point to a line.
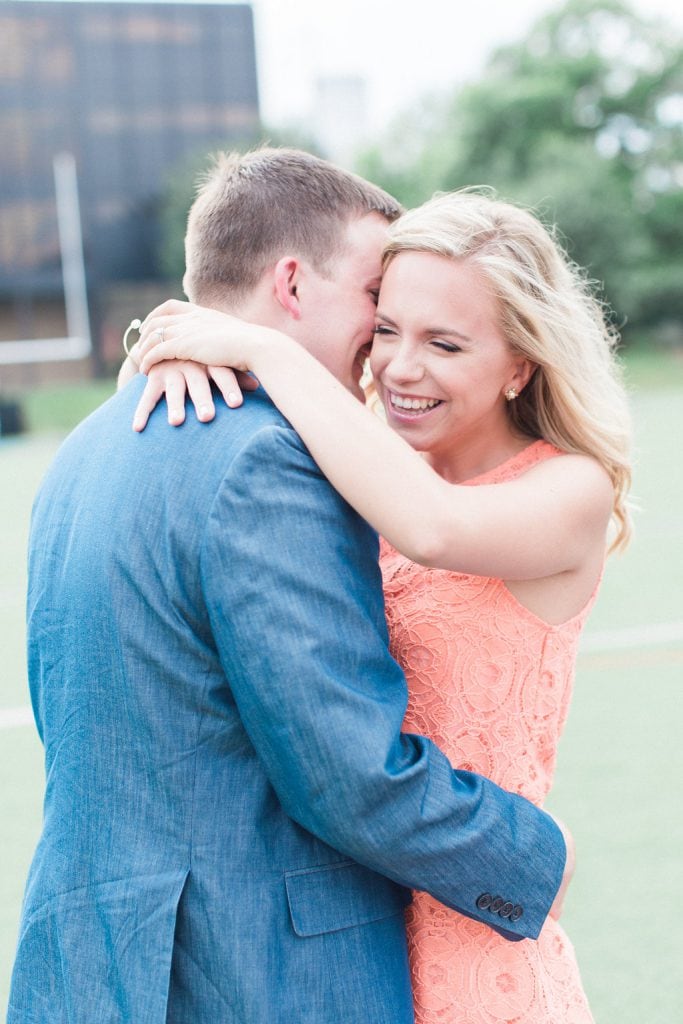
620	764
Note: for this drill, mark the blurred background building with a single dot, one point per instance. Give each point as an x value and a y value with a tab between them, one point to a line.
130	90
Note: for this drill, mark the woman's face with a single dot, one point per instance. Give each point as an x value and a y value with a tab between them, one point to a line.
439	359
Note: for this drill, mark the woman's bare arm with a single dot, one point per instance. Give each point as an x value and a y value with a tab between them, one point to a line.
538	525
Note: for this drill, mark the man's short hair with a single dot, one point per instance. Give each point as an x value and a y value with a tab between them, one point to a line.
253	208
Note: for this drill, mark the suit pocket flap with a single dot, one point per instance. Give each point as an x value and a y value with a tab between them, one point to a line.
336	896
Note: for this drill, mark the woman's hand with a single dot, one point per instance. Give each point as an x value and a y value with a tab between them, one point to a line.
174	379
181	330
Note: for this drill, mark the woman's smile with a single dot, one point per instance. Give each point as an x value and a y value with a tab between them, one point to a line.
410	407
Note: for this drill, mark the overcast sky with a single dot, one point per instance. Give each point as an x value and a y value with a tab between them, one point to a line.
402	48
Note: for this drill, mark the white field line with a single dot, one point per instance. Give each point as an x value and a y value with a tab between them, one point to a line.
11	718
606	640
632	637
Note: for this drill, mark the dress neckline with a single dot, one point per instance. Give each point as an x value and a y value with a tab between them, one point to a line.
537	451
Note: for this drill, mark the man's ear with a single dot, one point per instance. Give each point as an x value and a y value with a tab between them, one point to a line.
286	280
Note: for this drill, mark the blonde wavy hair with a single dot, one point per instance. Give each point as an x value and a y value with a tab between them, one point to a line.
575	399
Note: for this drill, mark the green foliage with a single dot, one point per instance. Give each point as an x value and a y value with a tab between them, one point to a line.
413	159
581	120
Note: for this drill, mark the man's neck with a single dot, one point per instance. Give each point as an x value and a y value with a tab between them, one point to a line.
256	308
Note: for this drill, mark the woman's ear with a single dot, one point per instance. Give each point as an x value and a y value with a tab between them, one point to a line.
524	370
286	280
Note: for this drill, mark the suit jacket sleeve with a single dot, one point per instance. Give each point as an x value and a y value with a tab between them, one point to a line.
293	588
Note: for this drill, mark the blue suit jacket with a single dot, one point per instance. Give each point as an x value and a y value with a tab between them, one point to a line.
232	814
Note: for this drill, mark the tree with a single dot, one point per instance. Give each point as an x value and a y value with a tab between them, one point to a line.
582	121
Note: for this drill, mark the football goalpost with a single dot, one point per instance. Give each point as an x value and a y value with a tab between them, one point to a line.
78	343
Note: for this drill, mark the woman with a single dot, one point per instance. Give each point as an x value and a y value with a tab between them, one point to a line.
493	362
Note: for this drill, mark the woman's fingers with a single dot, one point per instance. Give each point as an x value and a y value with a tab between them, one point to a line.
175	379
154	389
169	381
246	381
202	335
232	384
227	384
175	388
170	320
199	390
157	332
152	357
187	337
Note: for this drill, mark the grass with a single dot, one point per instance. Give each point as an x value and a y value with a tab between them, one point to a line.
61	407
620	759
653	369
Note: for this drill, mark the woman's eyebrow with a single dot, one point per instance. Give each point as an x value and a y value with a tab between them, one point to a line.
382	316
450	331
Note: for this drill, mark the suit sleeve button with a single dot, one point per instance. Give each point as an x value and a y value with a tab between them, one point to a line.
497	904
506	909
516	913
484	901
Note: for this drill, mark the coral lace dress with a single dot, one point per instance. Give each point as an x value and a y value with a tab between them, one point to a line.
490	683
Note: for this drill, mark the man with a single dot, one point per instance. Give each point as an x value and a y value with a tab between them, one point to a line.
232	812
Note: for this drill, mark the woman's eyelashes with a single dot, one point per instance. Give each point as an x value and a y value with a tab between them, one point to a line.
446	346
384	331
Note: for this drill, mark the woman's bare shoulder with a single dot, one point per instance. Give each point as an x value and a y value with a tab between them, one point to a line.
581	478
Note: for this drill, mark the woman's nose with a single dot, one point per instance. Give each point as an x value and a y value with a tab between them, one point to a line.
405	366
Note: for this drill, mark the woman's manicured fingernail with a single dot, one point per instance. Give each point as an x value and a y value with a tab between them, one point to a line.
233	399
204	412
